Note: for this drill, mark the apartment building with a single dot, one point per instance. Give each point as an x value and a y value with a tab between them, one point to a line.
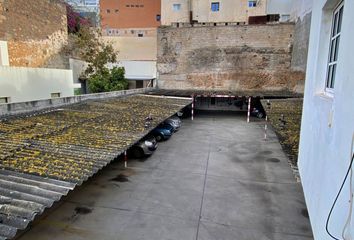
131	27
204	11
130	17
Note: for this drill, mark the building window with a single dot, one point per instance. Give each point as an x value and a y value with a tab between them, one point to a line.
158	17
334	46
127	5
176	7
108	11
215	6
252	3
140	35
4	100
141	5
285	18
116	11
55	95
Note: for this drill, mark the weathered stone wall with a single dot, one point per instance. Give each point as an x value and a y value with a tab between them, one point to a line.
250	57
301	43
35	30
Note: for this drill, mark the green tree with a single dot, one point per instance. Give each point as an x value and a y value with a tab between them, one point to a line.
98	54
108	80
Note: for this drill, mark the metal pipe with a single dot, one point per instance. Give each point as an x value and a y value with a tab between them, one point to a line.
249	110
193	109
266	128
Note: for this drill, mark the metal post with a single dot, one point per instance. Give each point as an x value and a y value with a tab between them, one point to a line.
249	110
265	128
193	108
125	159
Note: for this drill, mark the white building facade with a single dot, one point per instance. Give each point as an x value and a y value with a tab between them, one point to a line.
281	7
327	132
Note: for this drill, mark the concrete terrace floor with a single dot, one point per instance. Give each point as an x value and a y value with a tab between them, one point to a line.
215	179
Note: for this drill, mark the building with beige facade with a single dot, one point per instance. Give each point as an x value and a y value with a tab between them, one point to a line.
204	11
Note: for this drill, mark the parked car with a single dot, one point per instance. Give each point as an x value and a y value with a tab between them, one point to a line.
163	132
175	122
259	113
145	147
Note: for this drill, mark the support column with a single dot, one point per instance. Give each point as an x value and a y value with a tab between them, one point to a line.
249	109
192	117
125	159
265	128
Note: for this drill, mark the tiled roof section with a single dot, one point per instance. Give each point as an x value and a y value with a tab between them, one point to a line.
214	92
45	154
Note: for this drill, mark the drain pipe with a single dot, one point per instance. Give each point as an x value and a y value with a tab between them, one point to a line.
249	110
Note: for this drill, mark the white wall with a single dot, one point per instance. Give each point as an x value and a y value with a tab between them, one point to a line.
78	67
29	84
139	70
300	8
281	7
4	54
328	123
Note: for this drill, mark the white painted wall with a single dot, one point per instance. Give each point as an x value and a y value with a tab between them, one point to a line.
281	7
135	70
4	54
300	8
328	123
139	70
29	84
78	67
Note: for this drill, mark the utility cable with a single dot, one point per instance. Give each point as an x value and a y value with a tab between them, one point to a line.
336	199
347	223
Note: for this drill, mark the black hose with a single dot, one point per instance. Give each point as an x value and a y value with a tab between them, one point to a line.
335	201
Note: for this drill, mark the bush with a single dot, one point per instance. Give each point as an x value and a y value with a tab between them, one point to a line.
75	21
108	80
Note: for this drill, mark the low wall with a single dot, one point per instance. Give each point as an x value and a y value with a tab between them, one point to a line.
25	107
21	84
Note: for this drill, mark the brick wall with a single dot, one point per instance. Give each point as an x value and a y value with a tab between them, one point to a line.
35	30
250	57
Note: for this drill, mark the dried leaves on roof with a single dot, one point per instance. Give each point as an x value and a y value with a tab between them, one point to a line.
285	117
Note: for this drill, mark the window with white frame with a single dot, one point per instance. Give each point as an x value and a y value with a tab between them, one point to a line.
334	46
176	7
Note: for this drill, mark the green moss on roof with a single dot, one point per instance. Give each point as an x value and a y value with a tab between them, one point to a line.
73	143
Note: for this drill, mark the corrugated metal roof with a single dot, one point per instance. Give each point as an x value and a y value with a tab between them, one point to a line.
45	154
